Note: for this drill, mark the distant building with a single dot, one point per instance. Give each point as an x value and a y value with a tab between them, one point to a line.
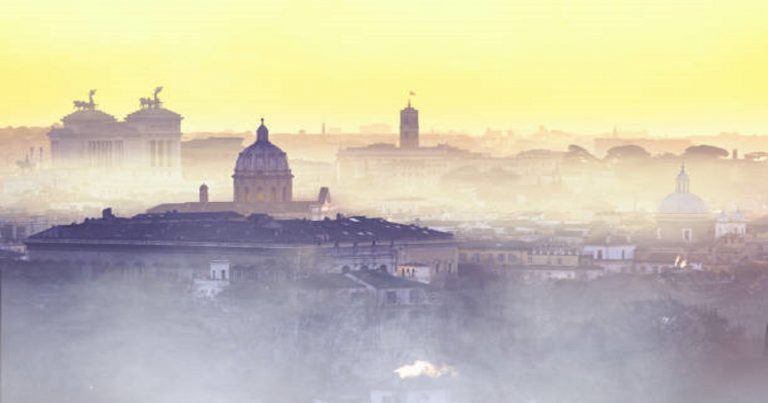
730	224
13	230
409	163
615	254
263	183
527	261
682	216
257	247
94	143
655	259
409	127
423	273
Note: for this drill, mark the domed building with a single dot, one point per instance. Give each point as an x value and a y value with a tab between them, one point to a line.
683	216
92	143
263	184
262	173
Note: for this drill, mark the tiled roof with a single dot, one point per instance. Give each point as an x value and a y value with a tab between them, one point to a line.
235	228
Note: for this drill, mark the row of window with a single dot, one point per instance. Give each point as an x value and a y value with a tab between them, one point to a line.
510	258
489	257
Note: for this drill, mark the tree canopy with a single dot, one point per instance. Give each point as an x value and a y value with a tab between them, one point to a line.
705	151
626	152
578	153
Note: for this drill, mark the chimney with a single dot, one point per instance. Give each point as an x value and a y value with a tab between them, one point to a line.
203	193
106	214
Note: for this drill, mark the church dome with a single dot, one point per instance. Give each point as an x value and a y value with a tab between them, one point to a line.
682	201
262	157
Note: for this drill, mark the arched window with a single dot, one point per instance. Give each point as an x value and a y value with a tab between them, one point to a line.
259	194
273	194
285	193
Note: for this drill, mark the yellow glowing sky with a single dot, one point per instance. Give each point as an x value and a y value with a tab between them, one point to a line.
670	66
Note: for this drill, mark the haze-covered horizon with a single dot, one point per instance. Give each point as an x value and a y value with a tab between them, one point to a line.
398	201
665	66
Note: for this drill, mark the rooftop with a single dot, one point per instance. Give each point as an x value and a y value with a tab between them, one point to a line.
153	114
235	228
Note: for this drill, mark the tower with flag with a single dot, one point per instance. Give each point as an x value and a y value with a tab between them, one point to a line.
409	126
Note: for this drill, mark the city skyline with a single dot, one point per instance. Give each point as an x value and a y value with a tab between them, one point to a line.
673	68
318	201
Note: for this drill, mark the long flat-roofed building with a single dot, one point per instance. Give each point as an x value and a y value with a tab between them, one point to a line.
257	246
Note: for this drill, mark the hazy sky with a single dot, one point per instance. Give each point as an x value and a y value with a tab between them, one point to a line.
665	65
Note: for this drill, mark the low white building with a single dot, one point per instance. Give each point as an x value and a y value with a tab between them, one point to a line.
614	254
730	224
420	272
554	273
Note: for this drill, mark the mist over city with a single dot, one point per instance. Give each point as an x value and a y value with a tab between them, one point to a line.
401	202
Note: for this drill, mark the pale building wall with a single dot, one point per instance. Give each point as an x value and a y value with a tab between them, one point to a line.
610	252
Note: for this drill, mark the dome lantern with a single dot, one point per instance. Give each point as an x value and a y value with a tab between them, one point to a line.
682	181
262	133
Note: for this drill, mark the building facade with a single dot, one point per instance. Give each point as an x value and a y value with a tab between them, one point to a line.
409	127
262	173
527	260
409	164
733	224
92	143
682	216
262	183
258	247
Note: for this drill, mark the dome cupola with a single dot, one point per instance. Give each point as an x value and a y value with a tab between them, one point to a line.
262	133
682	201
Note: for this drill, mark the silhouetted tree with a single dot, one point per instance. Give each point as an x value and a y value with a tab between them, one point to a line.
578	153
627	152
705	151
